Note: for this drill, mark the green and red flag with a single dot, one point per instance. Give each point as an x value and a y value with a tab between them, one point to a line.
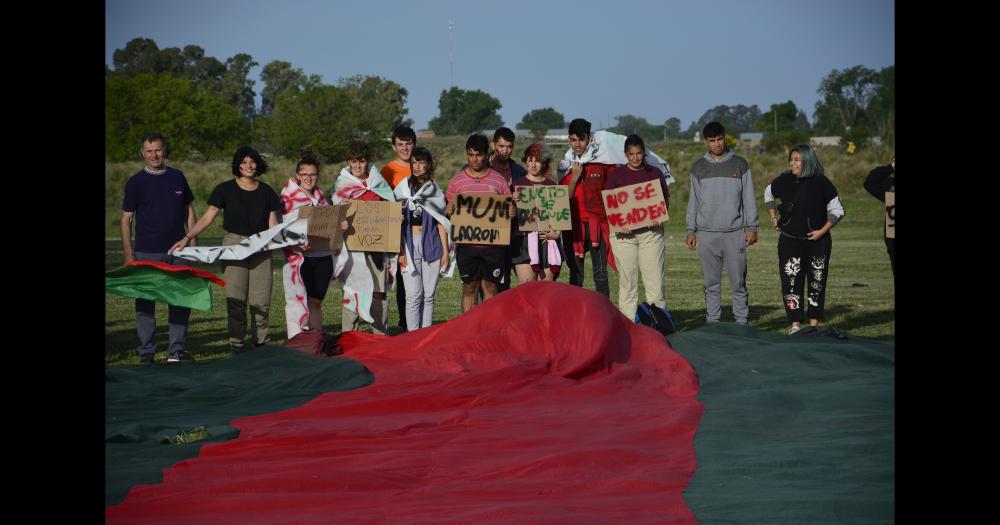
162	282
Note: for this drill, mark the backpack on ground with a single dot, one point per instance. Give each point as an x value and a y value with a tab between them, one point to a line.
657	318
315	342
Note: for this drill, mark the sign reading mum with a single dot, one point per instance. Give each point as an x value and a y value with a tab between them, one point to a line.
543	208
374	226
481	219
635	206
324	231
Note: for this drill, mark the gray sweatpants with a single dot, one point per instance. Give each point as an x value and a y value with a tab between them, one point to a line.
420	287
714	250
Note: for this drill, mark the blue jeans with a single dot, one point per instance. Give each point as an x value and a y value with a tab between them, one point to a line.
145	313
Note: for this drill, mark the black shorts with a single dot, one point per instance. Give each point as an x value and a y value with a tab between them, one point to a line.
488	263
518	250
316	273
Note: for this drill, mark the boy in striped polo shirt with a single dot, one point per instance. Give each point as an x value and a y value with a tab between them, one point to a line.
479	265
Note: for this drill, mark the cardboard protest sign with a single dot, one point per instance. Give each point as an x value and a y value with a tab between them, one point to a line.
324	231
635	206
890	214
374	226
543	208
481	219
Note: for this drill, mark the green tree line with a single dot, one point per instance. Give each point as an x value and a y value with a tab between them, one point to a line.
206	107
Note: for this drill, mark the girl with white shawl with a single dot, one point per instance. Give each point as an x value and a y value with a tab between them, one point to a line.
307	272
426	230
364	276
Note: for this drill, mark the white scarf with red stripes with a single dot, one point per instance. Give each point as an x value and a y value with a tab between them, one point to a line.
294	197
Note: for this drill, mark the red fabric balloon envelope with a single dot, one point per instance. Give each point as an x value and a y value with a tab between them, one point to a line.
542	405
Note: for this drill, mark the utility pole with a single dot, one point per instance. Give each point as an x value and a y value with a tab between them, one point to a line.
451	52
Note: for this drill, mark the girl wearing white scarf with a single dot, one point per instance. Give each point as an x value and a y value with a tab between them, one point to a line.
364	276
307	272
425	239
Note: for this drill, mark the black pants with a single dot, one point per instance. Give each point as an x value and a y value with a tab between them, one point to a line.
401	298
803	267
890	246
598	257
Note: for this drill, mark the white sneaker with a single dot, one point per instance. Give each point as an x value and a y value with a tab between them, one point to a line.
793	330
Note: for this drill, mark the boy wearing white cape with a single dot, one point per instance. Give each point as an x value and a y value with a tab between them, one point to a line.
364	276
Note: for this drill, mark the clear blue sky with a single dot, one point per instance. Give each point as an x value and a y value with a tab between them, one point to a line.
656	59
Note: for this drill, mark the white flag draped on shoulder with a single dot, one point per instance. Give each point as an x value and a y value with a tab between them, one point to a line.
349	268
609	148
430	199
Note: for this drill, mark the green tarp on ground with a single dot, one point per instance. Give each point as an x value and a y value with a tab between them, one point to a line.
796	429
146	405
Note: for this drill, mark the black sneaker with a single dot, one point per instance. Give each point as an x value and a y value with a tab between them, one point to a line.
180	357
235	350
146	359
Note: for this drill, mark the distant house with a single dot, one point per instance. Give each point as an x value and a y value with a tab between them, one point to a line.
751	139
824	141
425	134
556	135
697	136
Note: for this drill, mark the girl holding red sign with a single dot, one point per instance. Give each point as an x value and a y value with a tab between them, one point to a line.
641	250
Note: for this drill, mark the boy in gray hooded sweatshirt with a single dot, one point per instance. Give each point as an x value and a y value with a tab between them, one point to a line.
720	207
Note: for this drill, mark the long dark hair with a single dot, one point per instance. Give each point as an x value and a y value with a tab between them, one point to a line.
423	154
636	140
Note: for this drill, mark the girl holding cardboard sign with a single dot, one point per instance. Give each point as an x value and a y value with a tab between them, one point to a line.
640	250
364	276
540	254
307	272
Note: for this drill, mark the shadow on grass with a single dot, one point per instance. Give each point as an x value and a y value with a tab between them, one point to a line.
781	322
868	318
847	319
694	318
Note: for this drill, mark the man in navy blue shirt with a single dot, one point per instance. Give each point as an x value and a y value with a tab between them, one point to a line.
159	199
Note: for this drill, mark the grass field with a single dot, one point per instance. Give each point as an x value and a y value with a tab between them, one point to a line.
860	292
